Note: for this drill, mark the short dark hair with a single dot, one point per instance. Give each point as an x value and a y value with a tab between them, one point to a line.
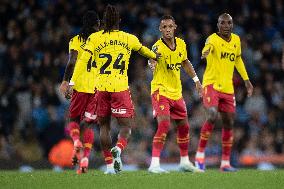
167	17
90	20
111	18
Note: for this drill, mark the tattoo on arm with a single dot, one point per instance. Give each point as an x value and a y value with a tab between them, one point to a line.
70	65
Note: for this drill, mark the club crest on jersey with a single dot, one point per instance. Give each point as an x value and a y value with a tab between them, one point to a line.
230	56
162	107
155	48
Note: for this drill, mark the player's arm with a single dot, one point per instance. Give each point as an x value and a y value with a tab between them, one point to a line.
68	72
187	66
144	51
207	49
240	66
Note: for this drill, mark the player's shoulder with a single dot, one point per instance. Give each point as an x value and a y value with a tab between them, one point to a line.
235	37
129	35
74	39
96	34
212	37
156	45
158	42
179	41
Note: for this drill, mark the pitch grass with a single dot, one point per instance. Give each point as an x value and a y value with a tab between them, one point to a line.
251	179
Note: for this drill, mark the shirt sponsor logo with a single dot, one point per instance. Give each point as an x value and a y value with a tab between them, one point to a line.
230	56
118	111
174	66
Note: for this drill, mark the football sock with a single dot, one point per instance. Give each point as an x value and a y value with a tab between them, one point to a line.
88	139
200	156
227	142
183	139
121	143
205	133
155	162
160	138
108	156
74	130
184	159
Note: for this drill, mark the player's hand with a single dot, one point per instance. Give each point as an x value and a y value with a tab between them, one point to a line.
205	53
152	64
69	92
249	87
199	88
158	55
63	87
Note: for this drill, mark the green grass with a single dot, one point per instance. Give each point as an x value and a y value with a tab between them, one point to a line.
251	179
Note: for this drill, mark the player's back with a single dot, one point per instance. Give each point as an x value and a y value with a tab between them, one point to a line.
112	52
84	82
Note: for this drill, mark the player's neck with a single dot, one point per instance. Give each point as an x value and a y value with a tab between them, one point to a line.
225	37
170	42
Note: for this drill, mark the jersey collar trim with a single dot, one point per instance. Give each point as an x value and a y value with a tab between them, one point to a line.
169	46
225	39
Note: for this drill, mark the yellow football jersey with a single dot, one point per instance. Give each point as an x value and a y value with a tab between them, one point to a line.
166	76
84	82
224	56
111	53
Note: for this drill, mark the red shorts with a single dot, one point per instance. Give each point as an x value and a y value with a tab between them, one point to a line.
162	105
83	105
224	102
117	104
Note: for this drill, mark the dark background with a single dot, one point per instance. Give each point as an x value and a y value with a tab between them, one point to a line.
34	36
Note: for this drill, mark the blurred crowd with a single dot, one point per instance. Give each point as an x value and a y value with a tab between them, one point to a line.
34	36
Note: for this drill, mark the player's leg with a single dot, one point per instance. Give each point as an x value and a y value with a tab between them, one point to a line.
210	102
77	106
227	108
158	143
183	142
161	111
104	119
123	109
179	115
88	124
106	142
125	125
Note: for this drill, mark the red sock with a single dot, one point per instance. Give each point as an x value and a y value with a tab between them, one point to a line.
88	140
74	130
160	138
183	139
121	143
205	133
227	142
108	156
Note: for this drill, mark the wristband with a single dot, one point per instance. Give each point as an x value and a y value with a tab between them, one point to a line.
195	79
